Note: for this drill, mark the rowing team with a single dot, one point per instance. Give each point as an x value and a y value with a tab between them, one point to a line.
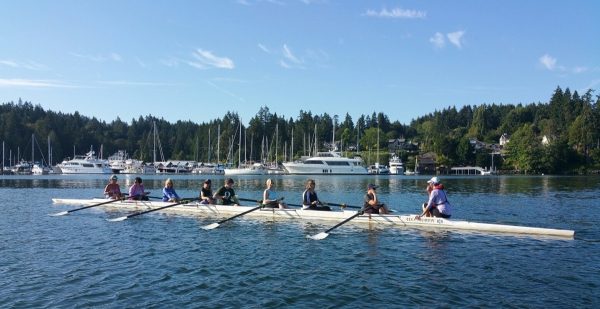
436	206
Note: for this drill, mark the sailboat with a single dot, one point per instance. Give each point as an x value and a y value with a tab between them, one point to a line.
377	168
245	169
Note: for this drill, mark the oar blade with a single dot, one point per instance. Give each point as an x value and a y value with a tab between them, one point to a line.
319	236
117	219
62	213
211	226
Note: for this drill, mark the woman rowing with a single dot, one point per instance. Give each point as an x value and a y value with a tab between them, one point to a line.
226	194
310	200
270	197
137	191
438	205
206	195
372	204
112	189
169	194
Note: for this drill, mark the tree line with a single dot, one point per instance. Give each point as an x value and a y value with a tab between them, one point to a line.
568	121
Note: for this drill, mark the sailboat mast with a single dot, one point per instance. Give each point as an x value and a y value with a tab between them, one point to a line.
315	140
357	138
276	138
154	139
219	143
49	153
208	158
333	136
378	143
32	147
240	146
252	148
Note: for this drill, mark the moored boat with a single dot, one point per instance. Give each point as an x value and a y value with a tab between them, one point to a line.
396	166
87	164
22	168
254	169
327	163
299	214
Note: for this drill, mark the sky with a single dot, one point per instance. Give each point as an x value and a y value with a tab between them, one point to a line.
197	60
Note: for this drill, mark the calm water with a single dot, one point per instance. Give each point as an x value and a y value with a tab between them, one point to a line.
164	261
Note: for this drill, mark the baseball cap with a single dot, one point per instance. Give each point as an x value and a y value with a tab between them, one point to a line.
434	180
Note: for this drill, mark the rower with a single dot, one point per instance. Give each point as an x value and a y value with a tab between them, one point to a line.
206	195
270	197
137	191
310	200
438	205
112	189
372	204
226	194
169	194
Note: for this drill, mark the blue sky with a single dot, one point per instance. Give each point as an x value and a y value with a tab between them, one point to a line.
196	60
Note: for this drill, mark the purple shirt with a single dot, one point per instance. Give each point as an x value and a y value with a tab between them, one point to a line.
439	200
136	190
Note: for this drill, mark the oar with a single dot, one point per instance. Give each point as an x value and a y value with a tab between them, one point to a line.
85	207
323	235
147	211
249	200
342	205
216	224
257	201
350	206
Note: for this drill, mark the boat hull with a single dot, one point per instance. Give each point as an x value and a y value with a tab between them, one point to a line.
299	214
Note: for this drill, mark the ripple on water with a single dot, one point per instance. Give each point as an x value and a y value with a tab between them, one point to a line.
158	261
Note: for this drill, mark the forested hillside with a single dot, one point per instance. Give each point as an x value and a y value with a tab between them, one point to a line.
568	121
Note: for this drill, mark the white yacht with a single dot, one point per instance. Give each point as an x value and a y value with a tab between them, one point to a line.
87	164
117	162
22	168
133	166
209	168
327	163
378	169
254	169
396	166
40	169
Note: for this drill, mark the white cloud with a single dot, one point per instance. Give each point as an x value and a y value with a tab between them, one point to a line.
284	64
30	65
396	13
438	40
208	58
264	48
132	83
456	38
578	70
227	92
115	57
288	54
170	62
33	83
9	63
548	62
99	58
